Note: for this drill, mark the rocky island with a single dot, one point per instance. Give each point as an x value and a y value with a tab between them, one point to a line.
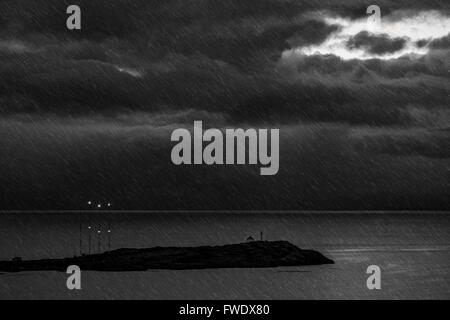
256	254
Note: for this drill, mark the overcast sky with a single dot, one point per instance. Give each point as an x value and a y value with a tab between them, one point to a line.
364	115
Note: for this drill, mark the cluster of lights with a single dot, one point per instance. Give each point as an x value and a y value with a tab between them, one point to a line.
99	205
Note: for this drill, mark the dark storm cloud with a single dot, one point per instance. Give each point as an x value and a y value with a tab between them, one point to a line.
80	87
218	56
210	27
89	113
379	44
372	92
128	160
430	144
124	18
372	70
443	43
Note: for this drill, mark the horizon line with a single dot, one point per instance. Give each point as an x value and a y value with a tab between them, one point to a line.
226	211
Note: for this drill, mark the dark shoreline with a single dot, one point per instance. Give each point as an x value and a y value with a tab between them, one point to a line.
256	254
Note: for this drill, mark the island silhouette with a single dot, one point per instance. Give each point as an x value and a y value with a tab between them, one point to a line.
254	254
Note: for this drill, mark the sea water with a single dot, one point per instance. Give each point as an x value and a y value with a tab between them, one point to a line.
411	249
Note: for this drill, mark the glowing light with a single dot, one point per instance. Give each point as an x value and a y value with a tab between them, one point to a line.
130	71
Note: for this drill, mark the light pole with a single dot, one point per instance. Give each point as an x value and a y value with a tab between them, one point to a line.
89	237
99	232
81	233
109	227
89	227
109	235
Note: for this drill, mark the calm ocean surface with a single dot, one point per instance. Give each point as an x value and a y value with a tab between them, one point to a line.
412	250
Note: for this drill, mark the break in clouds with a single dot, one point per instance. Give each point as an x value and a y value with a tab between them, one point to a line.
363	114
